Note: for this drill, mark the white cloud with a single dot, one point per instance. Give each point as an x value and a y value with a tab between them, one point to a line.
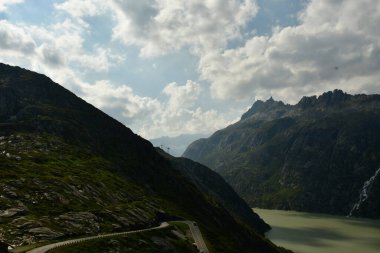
15	39
163	26
57	45
182	96
58	50
105	95
99	61
82	8
4	4
336	45
176	114
51	56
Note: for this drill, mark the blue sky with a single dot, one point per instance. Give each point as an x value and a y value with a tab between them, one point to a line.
170	67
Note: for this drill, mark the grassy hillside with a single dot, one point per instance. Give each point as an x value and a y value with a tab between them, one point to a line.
70	170
159	241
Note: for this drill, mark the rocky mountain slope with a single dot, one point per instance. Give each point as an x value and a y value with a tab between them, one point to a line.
214	185
320	155
68	170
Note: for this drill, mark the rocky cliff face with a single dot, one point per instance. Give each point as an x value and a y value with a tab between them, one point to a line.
313	156
68	169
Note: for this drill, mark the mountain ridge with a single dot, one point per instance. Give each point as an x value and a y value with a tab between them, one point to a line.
271	155
69	169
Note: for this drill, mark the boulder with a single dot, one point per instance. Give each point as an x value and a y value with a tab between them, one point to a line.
44	233
12	212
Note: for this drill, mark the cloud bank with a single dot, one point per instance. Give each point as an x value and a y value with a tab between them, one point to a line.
336	44
178	113
159	27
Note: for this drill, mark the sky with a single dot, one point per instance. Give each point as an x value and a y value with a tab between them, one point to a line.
171	67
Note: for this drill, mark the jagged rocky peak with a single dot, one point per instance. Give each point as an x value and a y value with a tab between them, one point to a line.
333	98
260	106
307	102
327	99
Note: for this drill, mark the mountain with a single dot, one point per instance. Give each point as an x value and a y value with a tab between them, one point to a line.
176	145
68	170
320	155
214	185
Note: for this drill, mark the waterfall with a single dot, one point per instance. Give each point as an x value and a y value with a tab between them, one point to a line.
363	196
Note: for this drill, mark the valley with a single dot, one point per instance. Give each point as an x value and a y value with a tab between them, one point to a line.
169	126
70	171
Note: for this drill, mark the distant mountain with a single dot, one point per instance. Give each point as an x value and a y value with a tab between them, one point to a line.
320	155
176	145
68	169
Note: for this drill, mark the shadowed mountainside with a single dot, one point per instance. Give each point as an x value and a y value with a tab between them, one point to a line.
69	170
314	156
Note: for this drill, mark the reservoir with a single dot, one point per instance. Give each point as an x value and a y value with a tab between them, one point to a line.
315	233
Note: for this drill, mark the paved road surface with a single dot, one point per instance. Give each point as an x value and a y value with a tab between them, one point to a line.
196	233
46	248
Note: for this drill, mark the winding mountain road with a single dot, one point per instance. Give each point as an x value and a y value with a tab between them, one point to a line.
196	233
46	248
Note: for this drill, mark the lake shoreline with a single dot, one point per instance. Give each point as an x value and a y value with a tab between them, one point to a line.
304	232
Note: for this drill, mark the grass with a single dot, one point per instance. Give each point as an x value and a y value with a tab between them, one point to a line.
67	179
180	226
183	229
78	180
156	241
23	249
74	158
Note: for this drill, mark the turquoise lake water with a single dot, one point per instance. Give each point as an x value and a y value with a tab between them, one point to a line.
312	233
